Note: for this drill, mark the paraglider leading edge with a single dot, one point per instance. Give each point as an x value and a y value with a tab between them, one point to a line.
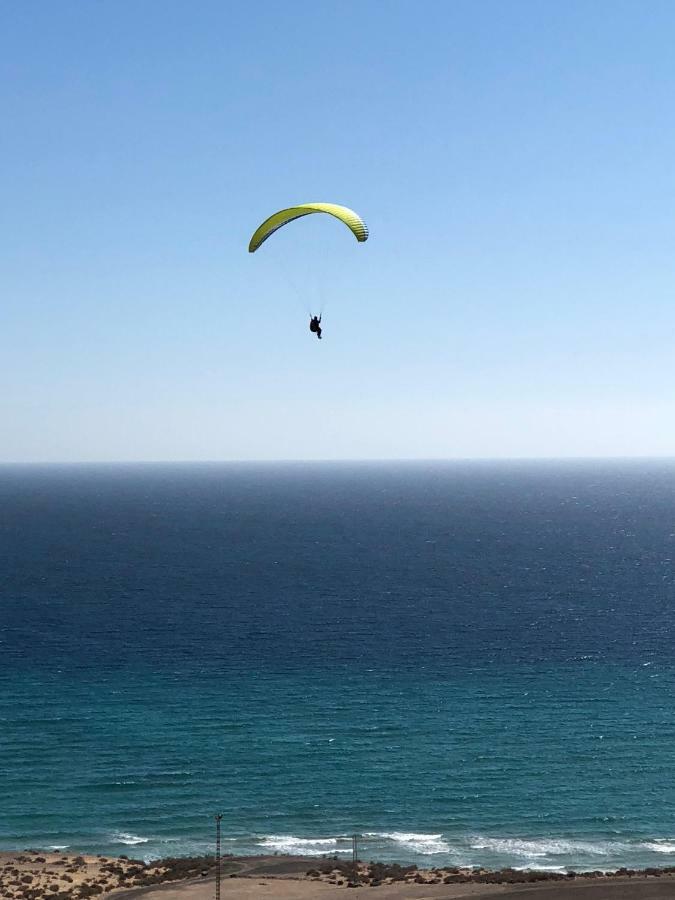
351	219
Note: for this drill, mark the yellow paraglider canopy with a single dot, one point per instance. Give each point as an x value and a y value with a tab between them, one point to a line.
353	221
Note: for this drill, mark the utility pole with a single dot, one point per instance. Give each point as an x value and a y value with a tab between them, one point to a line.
219	819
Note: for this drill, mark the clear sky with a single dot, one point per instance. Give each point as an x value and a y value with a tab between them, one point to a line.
515	162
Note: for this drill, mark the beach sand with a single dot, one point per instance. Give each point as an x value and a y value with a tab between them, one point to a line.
286	889
35	875
290	889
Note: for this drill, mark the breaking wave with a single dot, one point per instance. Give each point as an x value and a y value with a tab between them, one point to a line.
545	853
130	840
547	847
297	846
426	844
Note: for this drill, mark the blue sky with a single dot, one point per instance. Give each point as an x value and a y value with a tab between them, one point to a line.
515	162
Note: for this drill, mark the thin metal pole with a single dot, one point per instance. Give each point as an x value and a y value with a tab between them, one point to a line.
219	818
355	858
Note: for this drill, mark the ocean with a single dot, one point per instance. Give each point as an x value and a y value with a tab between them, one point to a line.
462	663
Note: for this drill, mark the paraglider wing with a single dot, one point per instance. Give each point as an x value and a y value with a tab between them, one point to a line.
353	221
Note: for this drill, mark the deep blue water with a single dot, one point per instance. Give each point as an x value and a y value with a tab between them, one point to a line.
466	663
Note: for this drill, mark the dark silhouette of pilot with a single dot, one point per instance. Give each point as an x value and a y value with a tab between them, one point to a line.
315	326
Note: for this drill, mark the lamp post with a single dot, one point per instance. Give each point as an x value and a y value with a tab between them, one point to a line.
219	819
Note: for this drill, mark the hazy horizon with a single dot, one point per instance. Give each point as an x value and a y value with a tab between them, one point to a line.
337	461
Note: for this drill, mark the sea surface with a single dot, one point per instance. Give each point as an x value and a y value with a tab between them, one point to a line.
462	663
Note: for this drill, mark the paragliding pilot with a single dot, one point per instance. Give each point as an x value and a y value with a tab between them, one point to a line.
315	326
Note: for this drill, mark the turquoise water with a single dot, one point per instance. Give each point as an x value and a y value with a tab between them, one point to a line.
463	664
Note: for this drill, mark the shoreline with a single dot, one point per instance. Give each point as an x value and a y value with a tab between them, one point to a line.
35	875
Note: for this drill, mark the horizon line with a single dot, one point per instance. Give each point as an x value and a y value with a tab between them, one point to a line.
338	460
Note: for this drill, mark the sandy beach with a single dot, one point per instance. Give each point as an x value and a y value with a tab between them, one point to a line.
284	889
33	875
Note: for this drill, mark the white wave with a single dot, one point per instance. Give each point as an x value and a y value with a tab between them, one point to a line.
426	844
131	840
540	867
56	847
659	846
169	772
296	846
535	849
